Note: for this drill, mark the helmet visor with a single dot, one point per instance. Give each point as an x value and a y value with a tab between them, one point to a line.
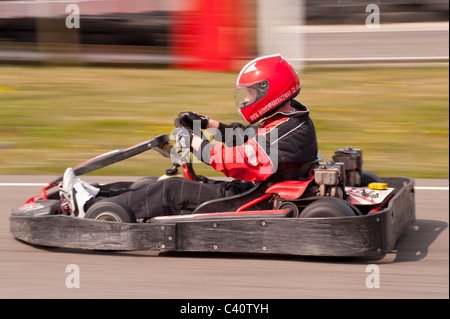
247	95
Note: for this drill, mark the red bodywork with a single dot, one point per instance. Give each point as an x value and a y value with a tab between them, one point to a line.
289	189
286	190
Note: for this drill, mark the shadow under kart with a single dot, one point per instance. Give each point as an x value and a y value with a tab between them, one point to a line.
327	214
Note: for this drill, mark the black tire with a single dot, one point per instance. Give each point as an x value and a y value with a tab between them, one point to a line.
111	210
327	207
293	209
369	177
144	181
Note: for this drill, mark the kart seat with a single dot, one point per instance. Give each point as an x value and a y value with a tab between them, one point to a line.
232	203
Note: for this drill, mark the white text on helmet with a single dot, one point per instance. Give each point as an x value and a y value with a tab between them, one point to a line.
275	102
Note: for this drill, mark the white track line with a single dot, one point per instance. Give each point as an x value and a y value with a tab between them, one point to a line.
431	188
23	184
360	59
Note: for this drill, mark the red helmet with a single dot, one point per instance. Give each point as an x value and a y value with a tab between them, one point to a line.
263	85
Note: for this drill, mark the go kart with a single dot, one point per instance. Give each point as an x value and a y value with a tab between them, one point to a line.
337	210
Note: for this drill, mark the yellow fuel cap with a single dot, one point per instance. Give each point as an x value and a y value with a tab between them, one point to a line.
378	186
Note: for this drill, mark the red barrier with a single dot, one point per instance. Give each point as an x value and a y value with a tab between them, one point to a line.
213	36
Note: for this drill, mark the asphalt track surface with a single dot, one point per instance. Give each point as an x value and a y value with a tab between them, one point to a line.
418	268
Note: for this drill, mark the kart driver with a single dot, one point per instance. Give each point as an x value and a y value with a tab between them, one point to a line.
272	150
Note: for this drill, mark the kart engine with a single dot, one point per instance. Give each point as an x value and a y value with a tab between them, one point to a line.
352	160
330	178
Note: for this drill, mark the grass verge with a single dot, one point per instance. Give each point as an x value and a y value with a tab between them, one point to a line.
56	116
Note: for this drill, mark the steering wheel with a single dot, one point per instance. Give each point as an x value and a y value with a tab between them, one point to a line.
179	160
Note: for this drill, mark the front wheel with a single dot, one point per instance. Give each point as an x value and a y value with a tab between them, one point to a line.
111	210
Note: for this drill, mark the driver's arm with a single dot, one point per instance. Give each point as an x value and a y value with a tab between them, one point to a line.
248	161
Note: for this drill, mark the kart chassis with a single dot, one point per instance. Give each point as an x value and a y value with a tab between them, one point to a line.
238	231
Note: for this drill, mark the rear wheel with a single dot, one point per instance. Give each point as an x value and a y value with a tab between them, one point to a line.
293	209
111	210
327	207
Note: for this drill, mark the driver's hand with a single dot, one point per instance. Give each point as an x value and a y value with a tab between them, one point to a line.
187	119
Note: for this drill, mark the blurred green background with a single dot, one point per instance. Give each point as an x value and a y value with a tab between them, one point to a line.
53	117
